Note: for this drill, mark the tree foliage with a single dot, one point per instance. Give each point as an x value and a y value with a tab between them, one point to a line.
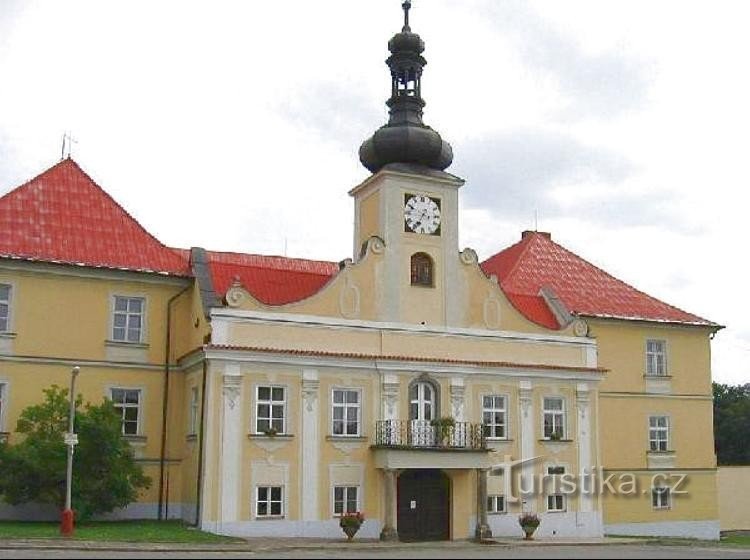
732	423
105	474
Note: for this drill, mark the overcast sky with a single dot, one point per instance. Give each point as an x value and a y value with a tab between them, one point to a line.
236	125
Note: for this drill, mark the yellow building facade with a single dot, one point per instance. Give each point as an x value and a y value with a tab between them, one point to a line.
439	395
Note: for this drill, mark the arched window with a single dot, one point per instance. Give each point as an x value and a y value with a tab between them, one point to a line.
424	399
421	270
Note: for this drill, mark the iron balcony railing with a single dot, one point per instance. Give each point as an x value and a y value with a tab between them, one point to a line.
423	434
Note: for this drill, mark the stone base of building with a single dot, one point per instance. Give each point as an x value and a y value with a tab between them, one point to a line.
138	510
708	529
328	529
564	524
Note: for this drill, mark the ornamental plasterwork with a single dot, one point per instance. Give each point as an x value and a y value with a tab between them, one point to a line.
310	393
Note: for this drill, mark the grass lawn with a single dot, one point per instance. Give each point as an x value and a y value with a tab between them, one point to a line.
736	540
123	531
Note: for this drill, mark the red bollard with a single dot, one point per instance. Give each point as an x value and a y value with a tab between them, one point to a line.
66	523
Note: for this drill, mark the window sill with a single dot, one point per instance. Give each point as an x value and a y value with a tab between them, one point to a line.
498	440
125	344
547	440
347	438
283	437
668	452
8	334
656	376
191	437
556	511
497	513
269	518
135	439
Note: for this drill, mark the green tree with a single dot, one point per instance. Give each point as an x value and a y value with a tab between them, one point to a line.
105	474
732	423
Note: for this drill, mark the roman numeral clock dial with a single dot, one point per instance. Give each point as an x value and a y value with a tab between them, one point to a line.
422	214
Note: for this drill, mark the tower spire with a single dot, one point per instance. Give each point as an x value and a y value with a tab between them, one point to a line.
406	139
406	6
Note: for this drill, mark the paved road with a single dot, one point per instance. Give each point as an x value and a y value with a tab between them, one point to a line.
428	551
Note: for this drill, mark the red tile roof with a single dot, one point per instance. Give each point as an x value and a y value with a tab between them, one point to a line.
63	216
536	261
270	280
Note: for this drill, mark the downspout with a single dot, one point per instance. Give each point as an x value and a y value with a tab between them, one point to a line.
165	402
199	490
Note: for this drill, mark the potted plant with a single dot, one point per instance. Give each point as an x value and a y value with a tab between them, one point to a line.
270	432
443	427
350	522
529	522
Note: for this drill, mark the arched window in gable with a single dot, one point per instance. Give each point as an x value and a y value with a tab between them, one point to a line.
422	270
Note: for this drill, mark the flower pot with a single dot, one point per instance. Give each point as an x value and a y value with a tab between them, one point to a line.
350	531
529	531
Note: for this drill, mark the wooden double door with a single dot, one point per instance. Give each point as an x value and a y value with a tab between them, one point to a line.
424	505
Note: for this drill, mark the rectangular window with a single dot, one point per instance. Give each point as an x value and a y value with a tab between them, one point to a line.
127	321
658	433
554	418
269	501
656	357
271	410
128	403
496	504
4	307
556	502
345	499
494	416
661	498
194	408
346	412
2	405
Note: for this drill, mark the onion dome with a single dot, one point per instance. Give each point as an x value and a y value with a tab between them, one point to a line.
406	139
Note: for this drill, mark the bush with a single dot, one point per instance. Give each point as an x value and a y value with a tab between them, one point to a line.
105	474
529	520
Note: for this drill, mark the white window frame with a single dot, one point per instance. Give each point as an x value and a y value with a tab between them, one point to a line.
562	413
492	501
653	430
421	401
123	406
557	497
652	368
346	407
271	403
346	488
9	302
143	316
663	496
493	409
194	408
269	501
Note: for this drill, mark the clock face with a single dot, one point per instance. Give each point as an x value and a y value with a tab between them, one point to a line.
422	214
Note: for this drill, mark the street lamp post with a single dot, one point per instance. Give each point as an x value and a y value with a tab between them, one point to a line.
71	439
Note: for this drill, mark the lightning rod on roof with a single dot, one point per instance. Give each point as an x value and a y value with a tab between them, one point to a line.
67	140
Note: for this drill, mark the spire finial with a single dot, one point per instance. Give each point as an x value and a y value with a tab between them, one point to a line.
406	6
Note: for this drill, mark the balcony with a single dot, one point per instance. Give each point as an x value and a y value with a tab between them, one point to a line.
421	434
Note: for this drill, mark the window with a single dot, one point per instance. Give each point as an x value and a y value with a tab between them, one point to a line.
194	407
421	270
271	410
346	412
494	416
4	307
128	403
2	404
422	401
269	501
656	357
658	433
661	497
496	504
556	502
345	499
554	418
127	324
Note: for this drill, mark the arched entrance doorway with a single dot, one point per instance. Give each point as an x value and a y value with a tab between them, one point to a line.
424	505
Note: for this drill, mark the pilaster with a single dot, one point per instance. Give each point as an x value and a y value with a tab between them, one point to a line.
310	444
231	442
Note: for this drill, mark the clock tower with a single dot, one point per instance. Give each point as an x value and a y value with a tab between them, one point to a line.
410	202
